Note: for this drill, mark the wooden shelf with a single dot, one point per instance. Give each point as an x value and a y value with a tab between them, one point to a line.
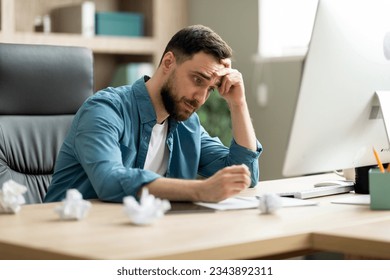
162	19
98	44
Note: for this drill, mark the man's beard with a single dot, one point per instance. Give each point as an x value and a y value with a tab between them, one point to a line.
172	103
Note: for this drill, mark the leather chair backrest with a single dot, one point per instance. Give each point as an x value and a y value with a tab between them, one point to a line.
41	88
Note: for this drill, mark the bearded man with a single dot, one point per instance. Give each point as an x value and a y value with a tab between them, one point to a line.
148	134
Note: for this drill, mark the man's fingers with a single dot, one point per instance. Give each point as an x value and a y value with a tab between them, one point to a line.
224	71
230	78
238	169
227	62
237	176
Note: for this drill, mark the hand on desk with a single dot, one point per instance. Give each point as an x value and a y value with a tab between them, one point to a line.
227	182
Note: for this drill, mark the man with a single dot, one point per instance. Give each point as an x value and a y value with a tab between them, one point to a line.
148	134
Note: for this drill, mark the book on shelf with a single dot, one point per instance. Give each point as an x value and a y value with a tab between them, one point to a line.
77	18
119	24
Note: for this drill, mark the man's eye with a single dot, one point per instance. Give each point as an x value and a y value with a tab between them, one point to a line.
197	80
213	90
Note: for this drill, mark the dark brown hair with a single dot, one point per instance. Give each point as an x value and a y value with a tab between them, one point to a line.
197	38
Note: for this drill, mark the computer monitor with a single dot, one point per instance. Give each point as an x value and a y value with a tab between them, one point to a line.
337	123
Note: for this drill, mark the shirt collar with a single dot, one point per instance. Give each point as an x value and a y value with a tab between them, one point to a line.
145	106
144	103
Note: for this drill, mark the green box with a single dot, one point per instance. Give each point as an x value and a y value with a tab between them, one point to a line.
119	24
379	185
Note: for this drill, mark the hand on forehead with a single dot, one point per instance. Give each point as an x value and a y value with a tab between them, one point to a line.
223	63
226	69
227	62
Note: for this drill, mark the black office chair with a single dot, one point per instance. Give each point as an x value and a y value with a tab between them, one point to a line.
41	88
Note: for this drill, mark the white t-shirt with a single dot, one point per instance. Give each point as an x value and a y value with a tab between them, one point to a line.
157	156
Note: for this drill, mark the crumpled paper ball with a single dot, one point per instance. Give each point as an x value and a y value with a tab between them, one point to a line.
73	207
147	210
269	203
11	197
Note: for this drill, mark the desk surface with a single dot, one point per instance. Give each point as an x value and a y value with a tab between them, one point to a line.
37	233
364	240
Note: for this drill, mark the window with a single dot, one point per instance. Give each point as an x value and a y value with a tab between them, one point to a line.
285	27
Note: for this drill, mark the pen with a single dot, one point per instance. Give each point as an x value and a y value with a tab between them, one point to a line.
378	160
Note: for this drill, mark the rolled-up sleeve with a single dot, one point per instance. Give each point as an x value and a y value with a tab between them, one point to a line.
215	156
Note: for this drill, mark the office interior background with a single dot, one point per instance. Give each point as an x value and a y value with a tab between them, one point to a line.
271	83
272	74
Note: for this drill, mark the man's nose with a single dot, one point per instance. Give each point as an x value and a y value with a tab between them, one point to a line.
201	96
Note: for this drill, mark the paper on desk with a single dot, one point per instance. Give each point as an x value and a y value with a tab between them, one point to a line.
269	203
357	199
243	202
73	207
11	197
147	210
233	203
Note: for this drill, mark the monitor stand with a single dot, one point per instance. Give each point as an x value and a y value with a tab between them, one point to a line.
384	103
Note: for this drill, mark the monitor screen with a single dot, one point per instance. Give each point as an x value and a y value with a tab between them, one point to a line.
337	121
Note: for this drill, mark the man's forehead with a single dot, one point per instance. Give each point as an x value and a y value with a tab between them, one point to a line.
212	77
206	63
211	70
207	67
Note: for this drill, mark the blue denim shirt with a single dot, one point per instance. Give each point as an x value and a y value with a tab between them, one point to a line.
104	152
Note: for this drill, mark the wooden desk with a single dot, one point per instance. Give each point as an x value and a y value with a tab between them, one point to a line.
37	233
368	240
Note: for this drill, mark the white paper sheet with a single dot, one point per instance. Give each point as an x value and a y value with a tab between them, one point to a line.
357	199
241	202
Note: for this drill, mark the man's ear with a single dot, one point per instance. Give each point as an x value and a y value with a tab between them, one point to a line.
168	61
